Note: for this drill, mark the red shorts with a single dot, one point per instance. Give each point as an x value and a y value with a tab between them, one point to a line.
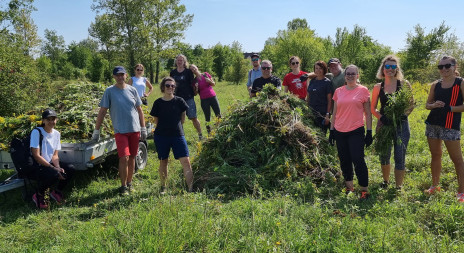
127	144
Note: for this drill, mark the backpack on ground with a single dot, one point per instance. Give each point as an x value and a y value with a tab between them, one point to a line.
21	155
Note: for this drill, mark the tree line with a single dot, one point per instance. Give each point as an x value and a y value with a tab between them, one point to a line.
151	32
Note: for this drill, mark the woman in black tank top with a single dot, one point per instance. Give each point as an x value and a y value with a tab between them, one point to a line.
392	74
445	103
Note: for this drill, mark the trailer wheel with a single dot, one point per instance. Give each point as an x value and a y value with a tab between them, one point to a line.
142	157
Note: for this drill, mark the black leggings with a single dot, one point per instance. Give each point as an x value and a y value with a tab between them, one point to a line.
47	177
207	104
350	147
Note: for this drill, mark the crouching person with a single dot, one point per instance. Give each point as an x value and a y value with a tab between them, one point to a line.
48	170
169	113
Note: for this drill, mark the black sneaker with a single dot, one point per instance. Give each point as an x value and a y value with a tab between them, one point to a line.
208	129
130	188
123	190
384	185
163	190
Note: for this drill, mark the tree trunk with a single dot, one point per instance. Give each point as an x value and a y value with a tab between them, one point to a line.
157	70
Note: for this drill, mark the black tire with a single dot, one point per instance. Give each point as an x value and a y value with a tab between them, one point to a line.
142	156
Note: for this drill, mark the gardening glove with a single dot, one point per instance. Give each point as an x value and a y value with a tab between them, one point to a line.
96	135
385	120
332	137
304	77
368	138
143	133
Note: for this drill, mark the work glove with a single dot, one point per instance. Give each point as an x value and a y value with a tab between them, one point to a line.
143	133
368	138
385	120
304	77
332	137
96	135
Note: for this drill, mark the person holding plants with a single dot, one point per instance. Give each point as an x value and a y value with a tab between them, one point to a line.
140	83
205	83
128	121
445	102
392	74
351	106
319	96
185	89
292	81
169	116
47	166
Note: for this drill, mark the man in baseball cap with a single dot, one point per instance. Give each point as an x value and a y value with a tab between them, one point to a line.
337	74
255	72
119	70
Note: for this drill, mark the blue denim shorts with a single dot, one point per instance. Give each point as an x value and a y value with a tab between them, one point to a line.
165	143
192	110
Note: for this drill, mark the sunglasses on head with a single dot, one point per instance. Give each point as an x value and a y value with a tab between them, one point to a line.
255	59
139	69
266	68
387	66
295	63
446	66
168	85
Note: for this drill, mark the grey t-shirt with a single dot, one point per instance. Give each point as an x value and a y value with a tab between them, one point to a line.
122	104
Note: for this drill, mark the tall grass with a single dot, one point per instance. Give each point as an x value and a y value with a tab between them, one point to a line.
314	218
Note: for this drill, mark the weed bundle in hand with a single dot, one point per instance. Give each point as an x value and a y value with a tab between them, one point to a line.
261	144
397	104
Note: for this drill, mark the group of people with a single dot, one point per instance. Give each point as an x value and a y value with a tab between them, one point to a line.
337	99
339	102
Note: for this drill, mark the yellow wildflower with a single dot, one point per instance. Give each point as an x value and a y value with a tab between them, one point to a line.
2	120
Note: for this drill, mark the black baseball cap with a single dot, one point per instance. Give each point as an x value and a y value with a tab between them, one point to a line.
48	113
119	70
254	55
333	60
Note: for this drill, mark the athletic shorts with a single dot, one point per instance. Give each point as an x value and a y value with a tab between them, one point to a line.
439	132
127	144
192	110
165	143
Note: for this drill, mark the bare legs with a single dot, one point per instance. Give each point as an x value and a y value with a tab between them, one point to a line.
126	169
196	124
454	151
399	175
186	166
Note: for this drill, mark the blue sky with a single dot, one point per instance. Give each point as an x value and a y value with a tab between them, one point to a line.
252	22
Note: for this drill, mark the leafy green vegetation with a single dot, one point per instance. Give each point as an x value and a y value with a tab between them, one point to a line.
309	218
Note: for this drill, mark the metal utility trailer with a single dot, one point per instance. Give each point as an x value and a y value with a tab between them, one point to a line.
82	155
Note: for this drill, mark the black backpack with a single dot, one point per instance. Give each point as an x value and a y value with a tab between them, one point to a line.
21	155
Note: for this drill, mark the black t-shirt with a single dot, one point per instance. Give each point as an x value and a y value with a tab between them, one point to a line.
169	116
259	83
184	82
318	91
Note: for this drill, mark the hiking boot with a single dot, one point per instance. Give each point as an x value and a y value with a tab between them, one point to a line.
349	191
123	191
57	196
384	185
460	197
163	190
364	195
200	136
208	129
39	201
432	190
130	188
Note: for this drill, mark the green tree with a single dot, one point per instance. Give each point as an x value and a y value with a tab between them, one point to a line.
53	46
237	71
297	23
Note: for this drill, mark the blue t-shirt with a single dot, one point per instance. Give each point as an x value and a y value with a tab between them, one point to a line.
317	91
252	75
122	104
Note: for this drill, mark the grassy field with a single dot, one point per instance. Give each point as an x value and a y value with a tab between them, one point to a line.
96	219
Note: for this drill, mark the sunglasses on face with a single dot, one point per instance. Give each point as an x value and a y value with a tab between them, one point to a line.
295	63
139	69
170	85
446	66
350	74
255	59
266	68
387	66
